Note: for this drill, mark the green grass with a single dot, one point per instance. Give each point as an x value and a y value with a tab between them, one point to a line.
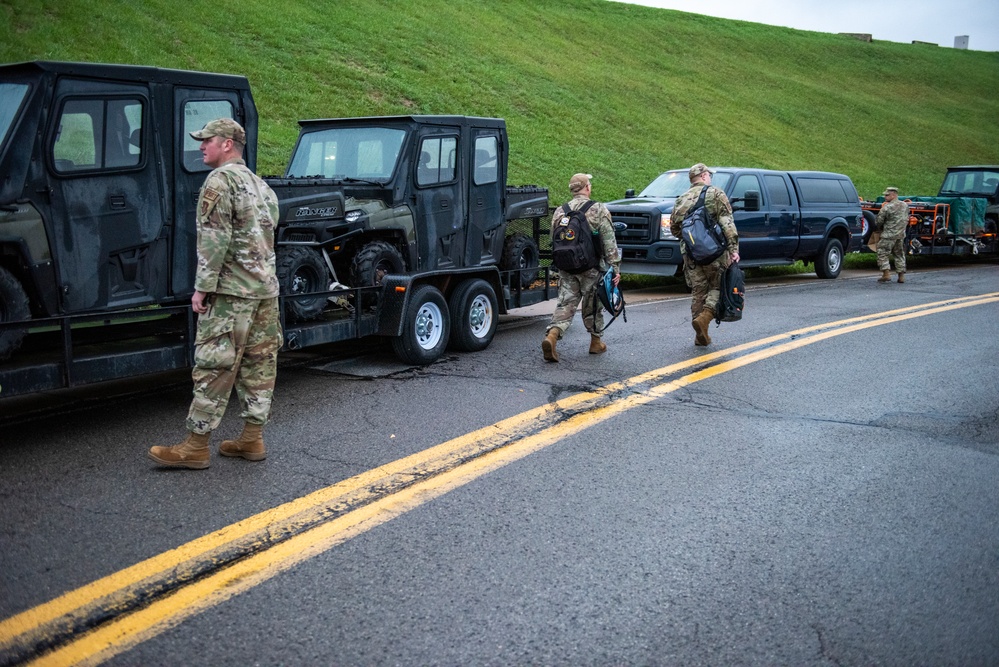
620	91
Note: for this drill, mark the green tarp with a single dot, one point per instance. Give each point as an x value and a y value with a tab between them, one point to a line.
967	214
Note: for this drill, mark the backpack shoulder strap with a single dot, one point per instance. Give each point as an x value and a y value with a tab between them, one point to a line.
586	207
704	193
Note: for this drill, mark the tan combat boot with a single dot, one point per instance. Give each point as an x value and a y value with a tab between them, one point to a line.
548	345
597	346
901	277
701	324
249	445
885	277
191	453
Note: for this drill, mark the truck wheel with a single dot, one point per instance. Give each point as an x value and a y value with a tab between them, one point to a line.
869	220
425	328
13	308
829	261
521	252
300	270
474	315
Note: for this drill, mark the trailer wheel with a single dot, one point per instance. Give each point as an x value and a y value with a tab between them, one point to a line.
13	308
474	315
301	270
829	261
425	328
521	252
869	220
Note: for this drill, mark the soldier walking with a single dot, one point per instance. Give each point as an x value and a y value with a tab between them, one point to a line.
892	221
236	299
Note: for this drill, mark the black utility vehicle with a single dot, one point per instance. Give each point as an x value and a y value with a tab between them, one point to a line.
782	217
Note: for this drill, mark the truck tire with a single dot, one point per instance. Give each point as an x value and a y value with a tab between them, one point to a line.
829	261
425	328
474	315
521	252
301	270
13	308
869	220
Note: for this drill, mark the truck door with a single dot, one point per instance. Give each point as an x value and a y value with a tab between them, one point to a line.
440	203
486	230
107	238
192	109
753	226
784	219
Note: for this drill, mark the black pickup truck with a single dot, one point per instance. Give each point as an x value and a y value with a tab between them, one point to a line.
782	217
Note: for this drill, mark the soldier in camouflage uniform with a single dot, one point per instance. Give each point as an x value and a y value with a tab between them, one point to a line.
236	290
573	287
704	280
892	221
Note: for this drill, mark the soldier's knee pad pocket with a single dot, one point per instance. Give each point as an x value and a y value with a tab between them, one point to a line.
214	344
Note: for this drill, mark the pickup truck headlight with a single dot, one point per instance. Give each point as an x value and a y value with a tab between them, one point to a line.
664	233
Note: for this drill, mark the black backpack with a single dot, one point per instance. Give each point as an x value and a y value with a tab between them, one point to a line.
732	295
702	235
573	241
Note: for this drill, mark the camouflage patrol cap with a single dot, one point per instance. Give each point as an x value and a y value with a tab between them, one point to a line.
578	182
226	128
889	190
698	169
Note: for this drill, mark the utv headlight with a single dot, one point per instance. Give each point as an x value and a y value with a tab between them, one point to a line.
355	215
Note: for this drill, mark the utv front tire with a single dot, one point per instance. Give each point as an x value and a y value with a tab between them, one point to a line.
13	308
301	270
474	315
425	329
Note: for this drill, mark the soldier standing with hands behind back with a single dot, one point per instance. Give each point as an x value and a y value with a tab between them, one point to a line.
704	280
892	221
236	299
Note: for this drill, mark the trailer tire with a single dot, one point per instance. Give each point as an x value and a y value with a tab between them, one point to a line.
301	270
425	327
474	315
521	252
13	308
829	261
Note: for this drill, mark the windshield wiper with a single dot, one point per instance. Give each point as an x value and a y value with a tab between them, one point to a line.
351	179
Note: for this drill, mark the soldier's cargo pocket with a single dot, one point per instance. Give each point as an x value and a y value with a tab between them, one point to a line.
214	345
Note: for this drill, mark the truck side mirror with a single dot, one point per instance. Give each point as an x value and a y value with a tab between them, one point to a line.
629	193
751	202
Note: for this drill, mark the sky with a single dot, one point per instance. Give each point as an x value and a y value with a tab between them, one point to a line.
905	21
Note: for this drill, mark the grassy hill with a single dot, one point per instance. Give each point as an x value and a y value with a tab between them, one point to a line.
621	91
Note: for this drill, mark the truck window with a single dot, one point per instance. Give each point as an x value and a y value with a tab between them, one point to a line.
823	191
98	134
437	160
485	168
744	184
11	97
347	152
981	182
197	114
777	190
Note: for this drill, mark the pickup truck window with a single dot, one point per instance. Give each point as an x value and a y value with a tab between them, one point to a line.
823	191
745	183
777	190
11	97
981	182
197	114
98	134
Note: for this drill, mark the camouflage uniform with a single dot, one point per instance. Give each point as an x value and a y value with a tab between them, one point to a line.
240	335
704	280
575	286
892	221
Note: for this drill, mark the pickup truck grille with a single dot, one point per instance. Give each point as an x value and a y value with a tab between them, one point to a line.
638	227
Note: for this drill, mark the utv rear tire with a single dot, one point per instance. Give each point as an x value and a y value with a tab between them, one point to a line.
425	328
474	315
13	308
829	261
301	270
521	252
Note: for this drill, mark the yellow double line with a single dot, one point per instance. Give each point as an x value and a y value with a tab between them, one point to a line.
109	616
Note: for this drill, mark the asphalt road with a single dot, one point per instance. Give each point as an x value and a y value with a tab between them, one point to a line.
817	487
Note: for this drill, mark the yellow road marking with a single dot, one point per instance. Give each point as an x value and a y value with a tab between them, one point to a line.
420	479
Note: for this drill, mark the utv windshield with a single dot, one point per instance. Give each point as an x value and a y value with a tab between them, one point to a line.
365	153
675	183
11	97
970	183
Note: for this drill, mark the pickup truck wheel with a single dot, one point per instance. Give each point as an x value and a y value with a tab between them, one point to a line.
425	328
13	308
300	270
521	252
829	261
474	315
869	220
